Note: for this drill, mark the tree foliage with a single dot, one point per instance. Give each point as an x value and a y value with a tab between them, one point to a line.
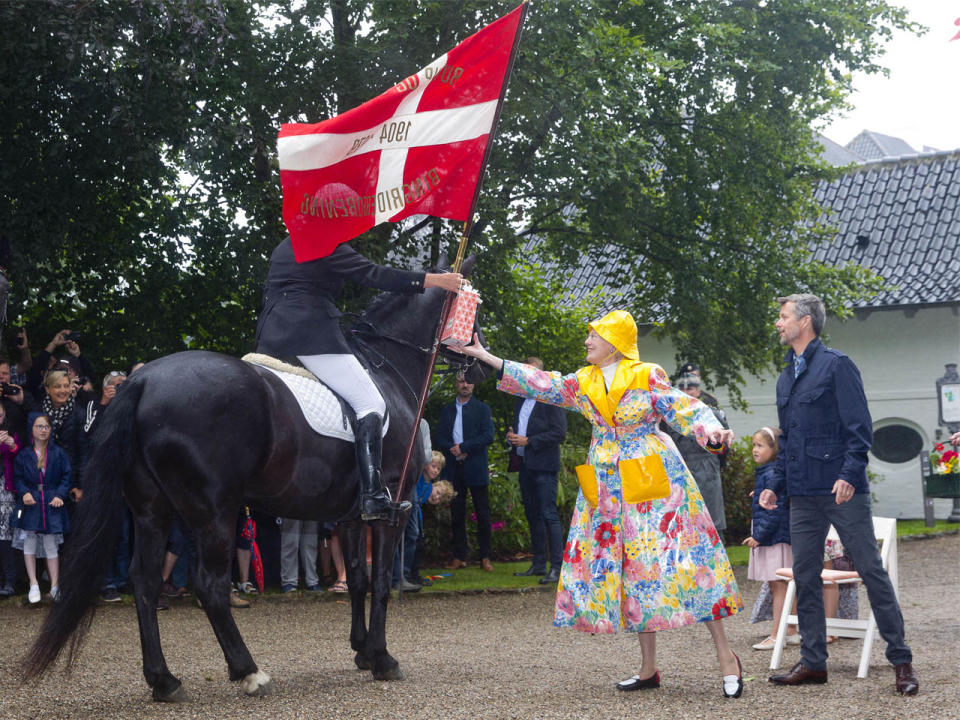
142	199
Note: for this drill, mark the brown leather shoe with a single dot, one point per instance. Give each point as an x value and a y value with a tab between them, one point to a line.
486	564
800	674
456	564
907	683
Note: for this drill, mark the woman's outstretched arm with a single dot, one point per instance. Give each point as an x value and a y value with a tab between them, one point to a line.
482	354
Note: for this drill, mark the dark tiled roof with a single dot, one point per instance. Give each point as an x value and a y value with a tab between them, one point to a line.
594	271
836	154
871	145
899	217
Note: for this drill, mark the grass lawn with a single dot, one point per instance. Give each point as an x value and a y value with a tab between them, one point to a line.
474	579
916	527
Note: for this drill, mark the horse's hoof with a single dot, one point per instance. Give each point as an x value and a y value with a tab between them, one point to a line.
390	673
258	684
178	695
362	662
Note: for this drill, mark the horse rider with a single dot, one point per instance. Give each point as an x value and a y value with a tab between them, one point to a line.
300	317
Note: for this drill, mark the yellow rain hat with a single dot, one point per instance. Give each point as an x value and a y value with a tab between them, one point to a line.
618	328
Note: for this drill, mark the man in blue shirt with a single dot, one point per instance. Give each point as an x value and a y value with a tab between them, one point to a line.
822	467
464	432
535	454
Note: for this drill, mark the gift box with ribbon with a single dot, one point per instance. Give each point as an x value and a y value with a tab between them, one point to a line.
458	330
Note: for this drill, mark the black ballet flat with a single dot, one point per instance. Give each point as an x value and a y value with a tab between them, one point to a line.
635	683
739	690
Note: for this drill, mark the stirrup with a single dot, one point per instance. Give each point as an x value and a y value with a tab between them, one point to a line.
391	511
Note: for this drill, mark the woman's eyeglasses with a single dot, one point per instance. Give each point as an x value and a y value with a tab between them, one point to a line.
41	427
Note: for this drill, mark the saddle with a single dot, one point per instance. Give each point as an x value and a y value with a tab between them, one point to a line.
325	411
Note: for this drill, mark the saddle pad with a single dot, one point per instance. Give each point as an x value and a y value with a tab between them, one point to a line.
320	407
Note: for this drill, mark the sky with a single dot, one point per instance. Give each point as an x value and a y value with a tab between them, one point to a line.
920	101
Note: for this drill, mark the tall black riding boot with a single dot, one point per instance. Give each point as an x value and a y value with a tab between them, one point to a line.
375	500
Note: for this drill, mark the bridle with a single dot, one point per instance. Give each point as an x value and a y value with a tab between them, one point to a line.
364	331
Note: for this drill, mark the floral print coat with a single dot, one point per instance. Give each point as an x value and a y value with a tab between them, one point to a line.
639	566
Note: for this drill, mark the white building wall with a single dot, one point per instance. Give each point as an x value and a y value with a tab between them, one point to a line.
900	354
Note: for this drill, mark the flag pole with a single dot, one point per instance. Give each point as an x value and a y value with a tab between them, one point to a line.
468	225
458	260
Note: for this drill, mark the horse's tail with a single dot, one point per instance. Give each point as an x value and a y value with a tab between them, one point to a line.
94	534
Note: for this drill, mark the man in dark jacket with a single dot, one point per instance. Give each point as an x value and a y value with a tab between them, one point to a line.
300	318
827	432
464	432
535	453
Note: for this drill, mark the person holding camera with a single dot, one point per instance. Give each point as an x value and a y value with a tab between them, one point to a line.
16	404
46	361
21	353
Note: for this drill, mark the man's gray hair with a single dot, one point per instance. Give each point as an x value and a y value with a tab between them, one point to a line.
808	305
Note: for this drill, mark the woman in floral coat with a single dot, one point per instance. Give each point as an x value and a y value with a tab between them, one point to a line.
635	559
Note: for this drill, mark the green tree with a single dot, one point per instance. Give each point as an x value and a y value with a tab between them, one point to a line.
142	199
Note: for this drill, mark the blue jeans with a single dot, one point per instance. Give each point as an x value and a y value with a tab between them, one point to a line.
411	534
810	518
181	544
539	492
118	568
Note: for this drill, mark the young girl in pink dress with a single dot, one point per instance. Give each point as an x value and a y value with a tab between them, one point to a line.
769	539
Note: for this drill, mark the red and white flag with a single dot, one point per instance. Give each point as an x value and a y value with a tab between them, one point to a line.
417	149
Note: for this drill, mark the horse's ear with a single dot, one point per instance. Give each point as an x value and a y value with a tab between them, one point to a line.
468	264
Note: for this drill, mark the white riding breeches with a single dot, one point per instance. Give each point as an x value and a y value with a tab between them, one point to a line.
346	377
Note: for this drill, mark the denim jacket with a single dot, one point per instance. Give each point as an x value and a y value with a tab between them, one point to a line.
825	422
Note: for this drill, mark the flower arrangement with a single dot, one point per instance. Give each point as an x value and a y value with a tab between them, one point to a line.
944	461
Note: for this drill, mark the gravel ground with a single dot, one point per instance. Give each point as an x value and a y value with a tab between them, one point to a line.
486	656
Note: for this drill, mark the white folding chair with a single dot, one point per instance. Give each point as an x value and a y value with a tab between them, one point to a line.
885	530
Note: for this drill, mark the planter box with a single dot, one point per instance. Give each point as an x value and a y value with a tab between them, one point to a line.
943	486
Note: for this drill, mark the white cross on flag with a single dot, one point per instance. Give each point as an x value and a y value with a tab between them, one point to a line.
417	149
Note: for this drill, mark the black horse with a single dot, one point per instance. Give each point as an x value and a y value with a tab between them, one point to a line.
199	434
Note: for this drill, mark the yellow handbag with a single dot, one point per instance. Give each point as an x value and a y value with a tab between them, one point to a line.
641	479
588	483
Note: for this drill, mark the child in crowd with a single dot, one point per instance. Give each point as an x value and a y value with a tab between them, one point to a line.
9	445
42	476
426	491
769	539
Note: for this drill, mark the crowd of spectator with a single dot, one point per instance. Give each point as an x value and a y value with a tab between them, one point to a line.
50	404
48	409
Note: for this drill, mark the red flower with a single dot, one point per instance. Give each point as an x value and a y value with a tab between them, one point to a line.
720	609
948	456
939	447
671	525
571	553
666	520
605	535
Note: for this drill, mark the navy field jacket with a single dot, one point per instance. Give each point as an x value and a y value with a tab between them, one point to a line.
546	429
825	422
477	437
